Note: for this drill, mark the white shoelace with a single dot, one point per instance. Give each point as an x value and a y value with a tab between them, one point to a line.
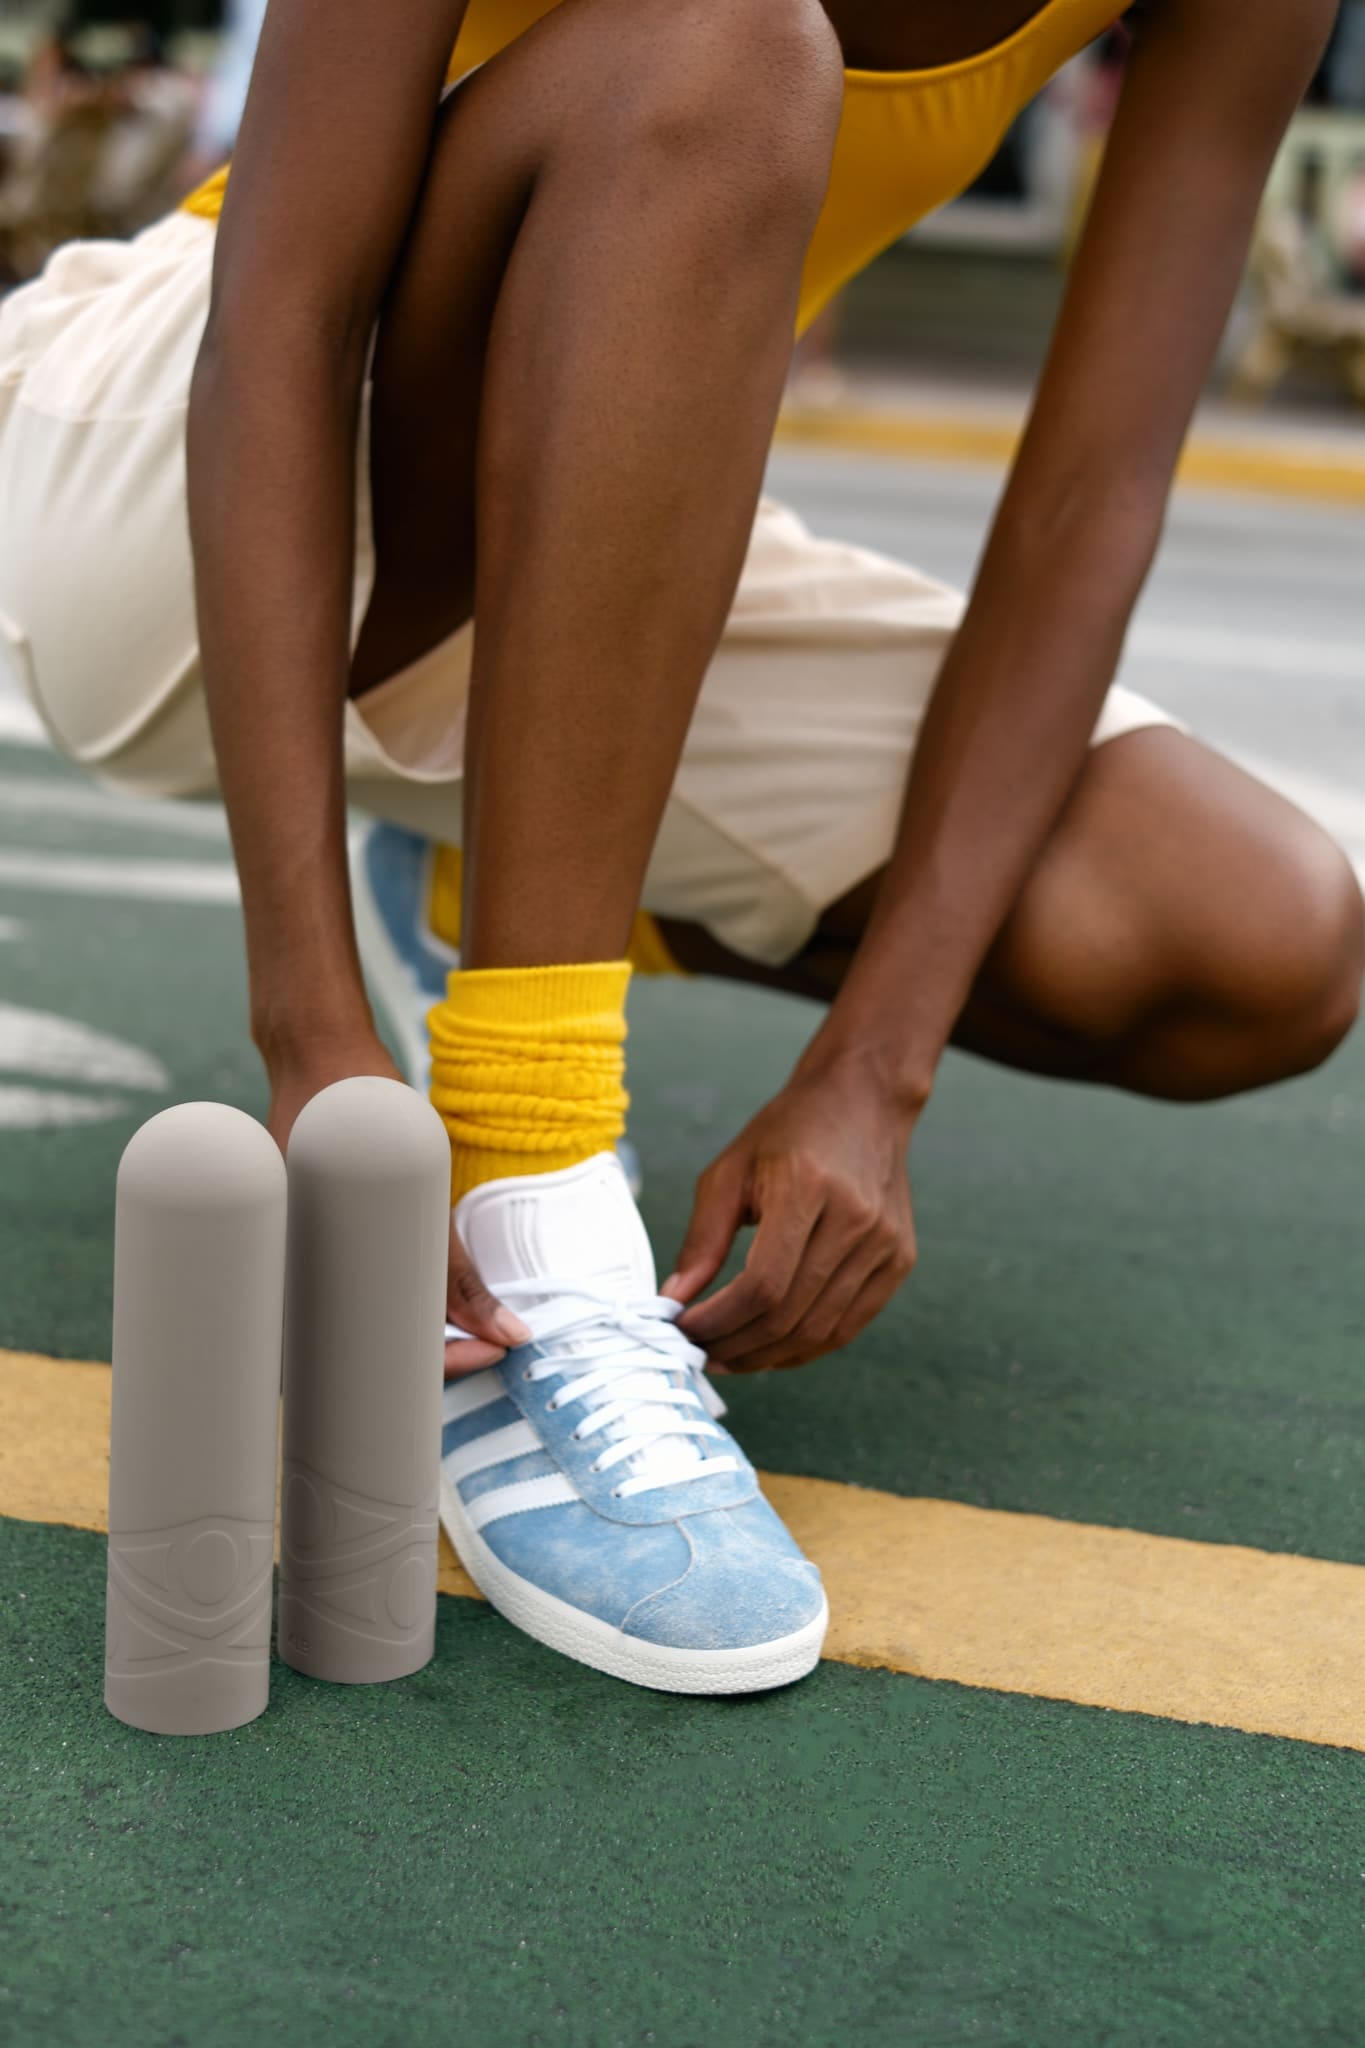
620	1359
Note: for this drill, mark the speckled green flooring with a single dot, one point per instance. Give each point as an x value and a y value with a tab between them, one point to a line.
1142	1316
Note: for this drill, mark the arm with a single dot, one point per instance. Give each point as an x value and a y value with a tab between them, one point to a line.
1209	90
332	148
329	161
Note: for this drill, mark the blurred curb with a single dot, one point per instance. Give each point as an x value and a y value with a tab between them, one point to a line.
1211	462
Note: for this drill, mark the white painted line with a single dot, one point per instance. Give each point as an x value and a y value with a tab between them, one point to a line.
156	881
20	724
39	1109
152	881
1258	653
48	797
54	1048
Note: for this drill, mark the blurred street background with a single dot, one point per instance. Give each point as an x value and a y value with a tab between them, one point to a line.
905	398
108	115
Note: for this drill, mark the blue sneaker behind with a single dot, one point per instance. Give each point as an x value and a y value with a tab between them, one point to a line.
587	1485
405	960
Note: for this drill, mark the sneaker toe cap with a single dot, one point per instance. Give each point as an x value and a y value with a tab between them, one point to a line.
746	1584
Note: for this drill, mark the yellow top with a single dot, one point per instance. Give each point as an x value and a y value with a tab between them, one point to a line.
908	140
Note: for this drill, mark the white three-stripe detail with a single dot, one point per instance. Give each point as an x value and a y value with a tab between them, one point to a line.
517	1499
513	1441
467	1396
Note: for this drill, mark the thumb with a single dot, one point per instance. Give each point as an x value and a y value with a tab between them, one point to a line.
717	1212
470	1305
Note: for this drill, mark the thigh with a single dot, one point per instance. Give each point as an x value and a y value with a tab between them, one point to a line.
1171	873
550	99
1172	879
794	773
427	368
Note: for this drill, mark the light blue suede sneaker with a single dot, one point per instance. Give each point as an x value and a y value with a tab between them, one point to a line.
391	878
406	960
585	1482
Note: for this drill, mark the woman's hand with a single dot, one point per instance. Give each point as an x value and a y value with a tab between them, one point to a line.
294	1080
821	1170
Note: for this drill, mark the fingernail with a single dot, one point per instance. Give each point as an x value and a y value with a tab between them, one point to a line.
721	1371
511	1327
671	1281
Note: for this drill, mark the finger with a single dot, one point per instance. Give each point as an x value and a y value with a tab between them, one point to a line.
813	1333
881	1288
784	1230
470	1354
824	1254
865	1284
469	1303
718	1210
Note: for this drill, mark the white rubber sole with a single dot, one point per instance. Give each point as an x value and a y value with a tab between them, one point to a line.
756	1668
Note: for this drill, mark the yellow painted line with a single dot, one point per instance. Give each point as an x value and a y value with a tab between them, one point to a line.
1280	471
1017	1603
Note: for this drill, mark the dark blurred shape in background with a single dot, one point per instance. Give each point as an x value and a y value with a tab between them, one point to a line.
94	128
108	116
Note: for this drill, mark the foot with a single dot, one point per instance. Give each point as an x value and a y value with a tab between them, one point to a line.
587	1485
404	955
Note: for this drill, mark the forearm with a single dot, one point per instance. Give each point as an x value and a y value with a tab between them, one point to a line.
270	457
1002	744
1206	97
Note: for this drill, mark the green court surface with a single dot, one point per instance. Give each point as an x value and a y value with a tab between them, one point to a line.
1145	1317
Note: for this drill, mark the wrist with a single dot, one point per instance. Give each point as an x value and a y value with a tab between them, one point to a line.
295	1035
870	1067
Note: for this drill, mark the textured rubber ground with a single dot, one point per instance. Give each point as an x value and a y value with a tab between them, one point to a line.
508	1849
1124	1312
590	1641
1148	1317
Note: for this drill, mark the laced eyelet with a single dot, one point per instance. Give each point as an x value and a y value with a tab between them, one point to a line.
552	1405
616	1493
526	1372
594	1468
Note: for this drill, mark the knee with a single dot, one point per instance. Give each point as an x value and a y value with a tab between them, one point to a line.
736	103
1313	961
777	72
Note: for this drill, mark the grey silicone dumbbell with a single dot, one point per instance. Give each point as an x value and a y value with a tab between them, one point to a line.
199	1249
369	1234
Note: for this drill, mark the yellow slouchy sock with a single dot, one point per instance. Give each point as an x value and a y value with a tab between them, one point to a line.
527	1067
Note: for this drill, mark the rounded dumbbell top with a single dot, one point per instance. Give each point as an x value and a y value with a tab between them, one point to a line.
369	1221
199	1254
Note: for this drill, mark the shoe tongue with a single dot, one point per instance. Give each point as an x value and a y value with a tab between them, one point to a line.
579	1224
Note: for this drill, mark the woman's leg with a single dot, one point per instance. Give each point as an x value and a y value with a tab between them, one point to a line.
577	372
1185	933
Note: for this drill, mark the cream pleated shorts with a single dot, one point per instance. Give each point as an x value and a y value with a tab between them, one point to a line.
795	765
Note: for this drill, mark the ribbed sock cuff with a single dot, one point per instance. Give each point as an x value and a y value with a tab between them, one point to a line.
528	1066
